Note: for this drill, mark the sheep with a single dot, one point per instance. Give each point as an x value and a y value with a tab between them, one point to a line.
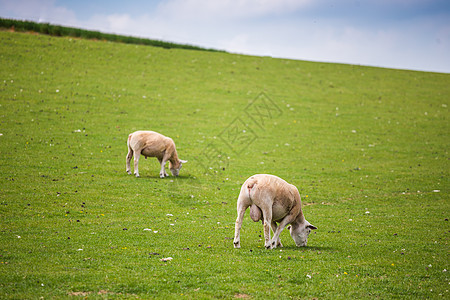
271	199
153	144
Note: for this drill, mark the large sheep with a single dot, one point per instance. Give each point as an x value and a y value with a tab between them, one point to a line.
272	200
153	144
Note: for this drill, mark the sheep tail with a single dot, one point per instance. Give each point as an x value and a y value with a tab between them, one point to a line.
255	211
250	185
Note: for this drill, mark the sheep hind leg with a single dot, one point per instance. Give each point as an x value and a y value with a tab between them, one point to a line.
137	155
243	203
129	157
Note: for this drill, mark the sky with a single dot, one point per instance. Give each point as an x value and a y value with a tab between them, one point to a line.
400	34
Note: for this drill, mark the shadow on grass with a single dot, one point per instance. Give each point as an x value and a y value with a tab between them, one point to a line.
309	248
300	249
169	178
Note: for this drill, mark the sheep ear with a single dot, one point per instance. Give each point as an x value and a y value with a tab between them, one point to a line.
312	227
183	161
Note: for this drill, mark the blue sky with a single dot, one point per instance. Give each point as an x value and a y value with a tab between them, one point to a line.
405	34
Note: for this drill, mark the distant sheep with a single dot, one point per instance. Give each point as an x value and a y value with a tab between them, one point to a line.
153	144
271	199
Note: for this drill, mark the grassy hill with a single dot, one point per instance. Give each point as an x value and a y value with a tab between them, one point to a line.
367	148
64	31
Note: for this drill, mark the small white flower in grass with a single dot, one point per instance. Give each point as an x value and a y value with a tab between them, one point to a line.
350	220
169	215
166	259
80	249
156	231
367	212
57	91
307	275
353	131
147	229
18	236
436	191
172	224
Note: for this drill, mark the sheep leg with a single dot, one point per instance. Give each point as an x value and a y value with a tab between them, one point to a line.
274	229
129	156
242	204
163	172
137	155
267	214
276	235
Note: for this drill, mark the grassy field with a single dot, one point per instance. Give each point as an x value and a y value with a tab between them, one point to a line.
367	148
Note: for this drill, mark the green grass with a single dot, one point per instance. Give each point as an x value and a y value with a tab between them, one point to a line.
367	148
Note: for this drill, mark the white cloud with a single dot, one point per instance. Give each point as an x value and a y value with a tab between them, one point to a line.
227	9
296	29
120	23
40	11
115	23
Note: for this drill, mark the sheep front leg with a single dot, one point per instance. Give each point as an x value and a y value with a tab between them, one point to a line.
163	172
274	229
276	235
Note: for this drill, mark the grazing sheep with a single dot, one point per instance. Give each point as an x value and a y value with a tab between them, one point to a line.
153	144
271	199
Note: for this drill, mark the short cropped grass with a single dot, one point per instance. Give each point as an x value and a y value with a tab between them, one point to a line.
367	148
